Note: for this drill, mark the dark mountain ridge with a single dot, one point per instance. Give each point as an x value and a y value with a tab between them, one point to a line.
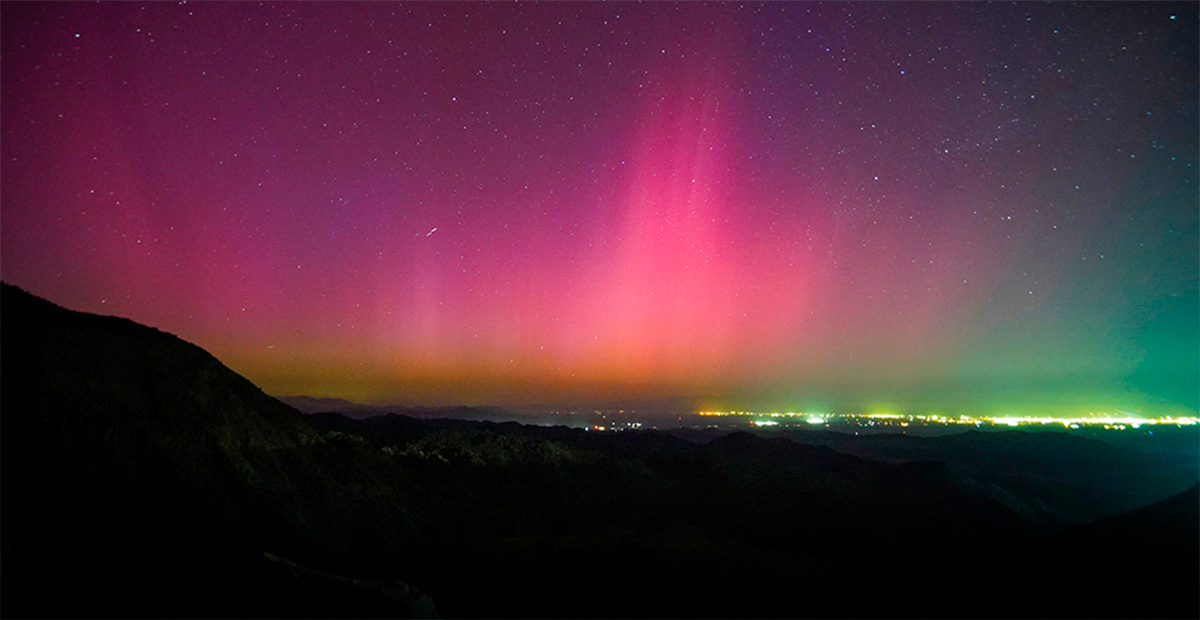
132	454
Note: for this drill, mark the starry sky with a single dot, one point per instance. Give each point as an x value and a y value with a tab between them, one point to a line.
954	207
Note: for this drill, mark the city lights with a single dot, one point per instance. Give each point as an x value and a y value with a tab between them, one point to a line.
1107	420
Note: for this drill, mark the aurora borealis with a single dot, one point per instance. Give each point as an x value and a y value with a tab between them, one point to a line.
950	206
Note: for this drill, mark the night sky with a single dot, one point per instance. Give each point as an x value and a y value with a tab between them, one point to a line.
932	206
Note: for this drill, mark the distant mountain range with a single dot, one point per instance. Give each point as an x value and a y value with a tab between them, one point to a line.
308	404
144	478
656	410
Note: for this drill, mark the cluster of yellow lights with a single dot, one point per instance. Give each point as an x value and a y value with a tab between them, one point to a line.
772	414
1107	420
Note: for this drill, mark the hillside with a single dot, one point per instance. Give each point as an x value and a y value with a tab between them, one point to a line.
138	470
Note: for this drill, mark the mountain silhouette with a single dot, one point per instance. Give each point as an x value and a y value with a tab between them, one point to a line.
138	470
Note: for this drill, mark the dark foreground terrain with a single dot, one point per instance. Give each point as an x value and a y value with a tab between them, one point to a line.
141	477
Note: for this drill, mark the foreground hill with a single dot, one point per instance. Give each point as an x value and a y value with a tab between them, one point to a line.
1152	551
143	478
139	471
